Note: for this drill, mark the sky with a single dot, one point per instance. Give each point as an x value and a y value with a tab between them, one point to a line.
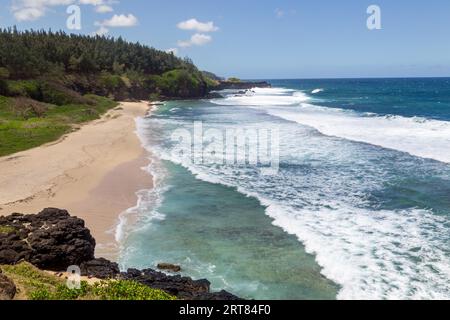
255	39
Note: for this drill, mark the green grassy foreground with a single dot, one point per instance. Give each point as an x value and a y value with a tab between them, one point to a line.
34	284
26	123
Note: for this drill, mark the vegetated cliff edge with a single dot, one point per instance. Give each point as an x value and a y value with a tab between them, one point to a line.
53	240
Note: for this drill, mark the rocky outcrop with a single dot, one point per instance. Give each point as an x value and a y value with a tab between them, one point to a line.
7	288
181	287
51	240
242	85
169	267
100	268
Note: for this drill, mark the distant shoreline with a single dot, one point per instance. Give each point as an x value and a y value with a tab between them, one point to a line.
94	173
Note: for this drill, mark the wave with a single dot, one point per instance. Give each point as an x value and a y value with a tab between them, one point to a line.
371	254
417	136
315	91
264	97
148	201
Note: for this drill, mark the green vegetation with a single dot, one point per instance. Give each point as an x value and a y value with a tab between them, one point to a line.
102	65
6	229
34	284
236	80
51	81
178	83
27	123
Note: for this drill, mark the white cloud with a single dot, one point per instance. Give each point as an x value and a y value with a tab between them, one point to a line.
92	2
28	14
29	10
104	8
172	50
279	13
197	39
101	6
121	20
194	24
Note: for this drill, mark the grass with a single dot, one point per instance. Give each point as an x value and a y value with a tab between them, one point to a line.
34	284
22	129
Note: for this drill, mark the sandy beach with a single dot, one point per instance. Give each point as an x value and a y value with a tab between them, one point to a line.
93	173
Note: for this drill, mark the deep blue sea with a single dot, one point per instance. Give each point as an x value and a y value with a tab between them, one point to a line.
358	208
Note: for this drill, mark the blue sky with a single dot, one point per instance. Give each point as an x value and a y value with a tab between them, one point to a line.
267	39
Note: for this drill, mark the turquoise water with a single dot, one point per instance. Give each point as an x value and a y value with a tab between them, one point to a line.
212	231
359	208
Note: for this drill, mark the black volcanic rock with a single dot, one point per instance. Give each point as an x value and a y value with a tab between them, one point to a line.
181	287
169	267
100	268
7	288
214	95
51	240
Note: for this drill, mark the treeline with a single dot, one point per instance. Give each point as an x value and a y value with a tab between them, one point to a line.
99	65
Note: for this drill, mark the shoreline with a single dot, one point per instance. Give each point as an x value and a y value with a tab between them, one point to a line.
94	173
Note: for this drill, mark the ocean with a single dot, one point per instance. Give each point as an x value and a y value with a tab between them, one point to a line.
357	208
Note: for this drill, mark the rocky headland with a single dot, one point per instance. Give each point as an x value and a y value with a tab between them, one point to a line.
53	240
241	85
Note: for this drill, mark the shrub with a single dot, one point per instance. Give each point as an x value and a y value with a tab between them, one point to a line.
58	94
26	108
25	88
177	83
104	290
232	79
128	290
4	73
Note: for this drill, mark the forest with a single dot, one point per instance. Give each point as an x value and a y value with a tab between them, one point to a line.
96	64
50	82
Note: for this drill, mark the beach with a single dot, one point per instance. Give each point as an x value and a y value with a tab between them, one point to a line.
93	172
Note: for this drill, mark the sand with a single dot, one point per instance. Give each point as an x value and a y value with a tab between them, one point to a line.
94	173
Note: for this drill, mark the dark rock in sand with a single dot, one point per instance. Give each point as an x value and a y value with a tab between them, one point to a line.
7	288
169	267
51	240
100	268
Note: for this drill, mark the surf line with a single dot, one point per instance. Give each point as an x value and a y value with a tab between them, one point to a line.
255	147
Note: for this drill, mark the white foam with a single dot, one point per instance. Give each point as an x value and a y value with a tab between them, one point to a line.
372	254
264	97
148	199
315	91
416	136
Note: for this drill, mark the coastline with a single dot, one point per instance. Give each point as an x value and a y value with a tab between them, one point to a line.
94	173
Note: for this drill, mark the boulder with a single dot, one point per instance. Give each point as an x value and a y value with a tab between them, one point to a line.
51	240
7	288
100	268
169	267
